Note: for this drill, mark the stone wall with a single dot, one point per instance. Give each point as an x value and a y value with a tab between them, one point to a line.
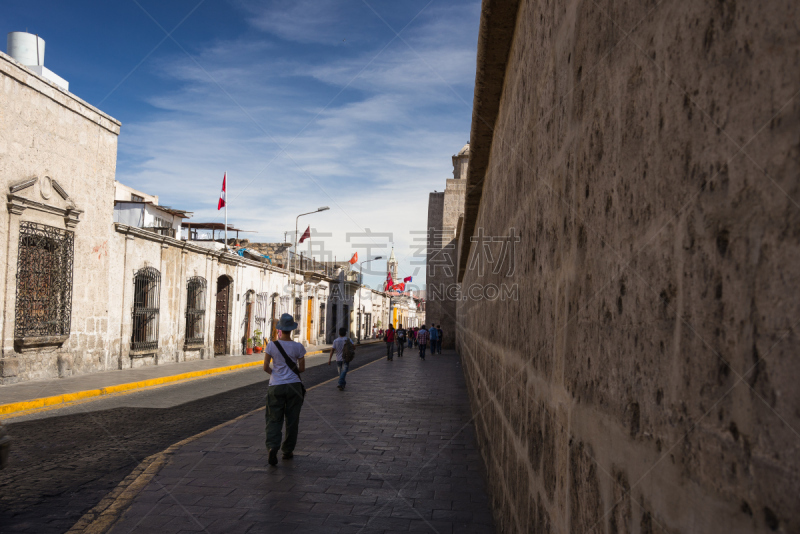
444	211
435	275
645	379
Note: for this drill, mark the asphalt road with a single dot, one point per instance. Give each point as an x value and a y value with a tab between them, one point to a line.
63	462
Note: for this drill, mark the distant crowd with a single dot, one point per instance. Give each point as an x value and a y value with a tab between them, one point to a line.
420	337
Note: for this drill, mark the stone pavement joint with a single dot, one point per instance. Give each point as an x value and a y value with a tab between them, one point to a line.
395	452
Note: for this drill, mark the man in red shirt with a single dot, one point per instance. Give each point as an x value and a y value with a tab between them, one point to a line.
389	339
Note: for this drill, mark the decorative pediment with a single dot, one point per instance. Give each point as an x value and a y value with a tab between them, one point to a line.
23	184
23	195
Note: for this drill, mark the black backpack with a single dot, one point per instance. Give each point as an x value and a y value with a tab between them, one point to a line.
348	351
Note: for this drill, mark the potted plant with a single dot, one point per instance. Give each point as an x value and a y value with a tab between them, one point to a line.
249	345
258	345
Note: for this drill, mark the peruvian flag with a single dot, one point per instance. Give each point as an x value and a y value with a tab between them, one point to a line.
354	258
406	279
222	196
306	234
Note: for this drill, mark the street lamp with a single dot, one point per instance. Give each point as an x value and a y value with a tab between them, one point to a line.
361	272
323	208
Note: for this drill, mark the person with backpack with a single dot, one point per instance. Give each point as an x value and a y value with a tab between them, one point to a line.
389	339
422	339
286	391
345	350
400	335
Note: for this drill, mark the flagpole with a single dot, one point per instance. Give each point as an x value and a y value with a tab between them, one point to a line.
226	211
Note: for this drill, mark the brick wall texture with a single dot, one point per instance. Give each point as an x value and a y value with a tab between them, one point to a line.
646	379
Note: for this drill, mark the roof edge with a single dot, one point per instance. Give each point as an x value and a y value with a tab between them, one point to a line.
25	76
495	37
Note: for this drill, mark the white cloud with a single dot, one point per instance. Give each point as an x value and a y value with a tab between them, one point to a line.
304	21
372	155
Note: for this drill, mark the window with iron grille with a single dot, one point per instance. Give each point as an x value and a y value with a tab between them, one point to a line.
195	309
146	295
262	309
322	319
44	281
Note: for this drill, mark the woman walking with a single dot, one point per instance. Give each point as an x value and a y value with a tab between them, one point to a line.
286	391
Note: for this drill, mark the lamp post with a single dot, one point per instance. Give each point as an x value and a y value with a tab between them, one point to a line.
297	219
361	273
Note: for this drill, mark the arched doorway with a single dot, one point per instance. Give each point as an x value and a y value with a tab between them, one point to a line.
224	283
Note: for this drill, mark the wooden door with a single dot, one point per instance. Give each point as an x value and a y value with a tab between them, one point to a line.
221	316
334	321
309	317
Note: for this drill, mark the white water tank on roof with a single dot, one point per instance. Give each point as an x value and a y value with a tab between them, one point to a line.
26	48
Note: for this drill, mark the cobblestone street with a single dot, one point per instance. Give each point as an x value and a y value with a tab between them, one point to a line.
395	452
64	461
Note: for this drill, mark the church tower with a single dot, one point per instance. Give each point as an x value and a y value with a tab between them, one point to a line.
391	266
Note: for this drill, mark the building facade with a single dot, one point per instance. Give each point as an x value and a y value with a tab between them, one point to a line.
57	166
445	210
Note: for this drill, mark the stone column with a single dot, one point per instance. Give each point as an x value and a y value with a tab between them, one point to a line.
9	361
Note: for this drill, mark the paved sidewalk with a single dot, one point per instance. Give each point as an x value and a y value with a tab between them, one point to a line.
395	452
37	389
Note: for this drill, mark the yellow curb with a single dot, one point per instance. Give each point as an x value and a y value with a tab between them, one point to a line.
6	409
102	517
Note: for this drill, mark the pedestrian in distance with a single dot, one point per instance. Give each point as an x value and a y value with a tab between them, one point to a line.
410	337
286	391
422	339
416	333
345	350
433	335
389	339
400	334
441	337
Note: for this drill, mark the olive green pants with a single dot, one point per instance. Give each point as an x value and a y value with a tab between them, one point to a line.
283	401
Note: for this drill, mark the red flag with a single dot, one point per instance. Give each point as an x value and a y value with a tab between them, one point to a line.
401	286
222	195
389	281
306	234
406	279
354	258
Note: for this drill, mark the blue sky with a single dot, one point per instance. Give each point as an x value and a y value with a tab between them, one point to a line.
349	104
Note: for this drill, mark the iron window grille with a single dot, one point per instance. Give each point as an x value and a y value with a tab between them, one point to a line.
262	309
146	295
195	309
44	281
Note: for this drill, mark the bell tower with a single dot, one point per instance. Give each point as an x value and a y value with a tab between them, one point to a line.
391	266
